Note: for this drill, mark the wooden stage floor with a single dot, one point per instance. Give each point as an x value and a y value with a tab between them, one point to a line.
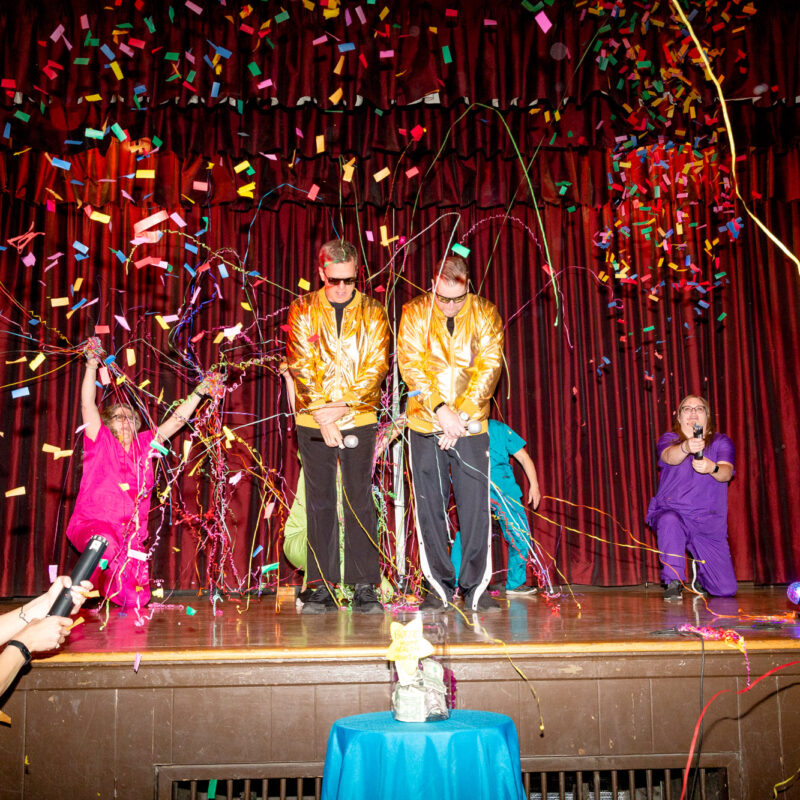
598	682
588	620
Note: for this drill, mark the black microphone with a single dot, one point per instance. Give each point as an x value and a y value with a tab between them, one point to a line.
698	434
86	565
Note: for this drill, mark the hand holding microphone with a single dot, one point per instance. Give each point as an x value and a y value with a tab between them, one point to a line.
698	434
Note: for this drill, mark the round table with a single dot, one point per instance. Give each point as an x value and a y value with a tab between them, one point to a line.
473	754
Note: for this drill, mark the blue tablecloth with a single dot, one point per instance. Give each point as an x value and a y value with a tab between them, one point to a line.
474	754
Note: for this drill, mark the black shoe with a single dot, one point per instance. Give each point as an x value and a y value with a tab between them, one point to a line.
304	596
523	590
365	601
485	602
320	602
673	592
433	603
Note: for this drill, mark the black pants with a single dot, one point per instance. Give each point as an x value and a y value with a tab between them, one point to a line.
360	521
466	464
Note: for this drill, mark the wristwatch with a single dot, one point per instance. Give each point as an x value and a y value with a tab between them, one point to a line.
715	470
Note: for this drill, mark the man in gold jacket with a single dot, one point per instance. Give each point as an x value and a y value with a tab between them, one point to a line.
450	353
338	354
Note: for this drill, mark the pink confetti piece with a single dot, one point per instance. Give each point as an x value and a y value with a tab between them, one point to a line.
149	222
52	571
178	219
313	192
136	662
122	321
543	21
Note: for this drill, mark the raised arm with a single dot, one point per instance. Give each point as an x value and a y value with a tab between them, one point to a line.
181	415
89	412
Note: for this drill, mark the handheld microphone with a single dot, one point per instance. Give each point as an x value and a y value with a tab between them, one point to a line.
350	441
86	565
698	434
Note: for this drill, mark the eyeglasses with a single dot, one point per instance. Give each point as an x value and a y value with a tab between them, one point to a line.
455	300
340	281
696	409
123	416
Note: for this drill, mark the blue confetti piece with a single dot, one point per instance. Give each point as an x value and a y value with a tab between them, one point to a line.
7	131
80	247
215	89
222	271
346	47
61	164
23	392
257	551
415	393
108	52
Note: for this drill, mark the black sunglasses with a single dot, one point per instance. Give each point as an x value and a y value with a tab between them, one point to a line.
339	281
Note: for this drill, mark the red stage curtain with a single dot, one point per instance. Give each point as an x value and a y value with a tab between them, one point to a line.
591	434
597	361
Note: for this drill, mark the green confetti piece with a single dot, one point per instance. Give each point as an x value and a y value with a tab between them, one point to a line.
448	59
150	24
212	789
190	76
171	14
719	275
282	17
527	6
21	115
93	133
103	563
648	328
156	141
81	62
570	209
269	567
160	448
460	250
255	70
721	317
171	56
118	132
190	611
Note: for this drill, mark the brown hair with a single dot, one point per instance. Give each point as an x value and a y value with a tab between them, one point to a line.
337	251
676	426
107	413
454	269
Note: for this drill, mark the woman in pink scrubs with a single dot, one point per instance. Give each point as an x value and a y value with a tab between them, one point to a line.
114	496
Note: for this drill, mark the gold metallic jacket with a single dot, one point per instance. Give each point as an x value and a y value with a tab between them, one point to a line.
328	367
461	370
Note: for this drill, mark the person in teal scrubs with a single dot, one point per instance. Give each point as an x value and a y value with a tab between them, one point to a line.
506	498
